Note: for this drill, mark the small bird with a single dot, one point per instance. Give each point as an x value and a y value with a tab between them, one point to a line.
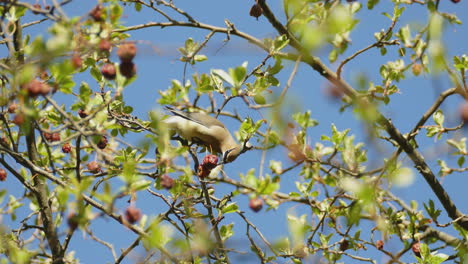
205	130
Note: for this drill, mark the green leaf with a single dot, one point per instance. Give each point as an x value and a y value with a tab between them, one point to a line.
230	208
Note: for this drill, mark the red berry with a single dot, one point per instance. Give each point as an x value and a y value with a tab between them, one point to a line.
66	148
256	11
4	141
3	175
36	6
76	61
127	69
34	87
416	249
97	13
127	52
344	245
167	182
47	7
94	167
132	214
102	142
12	108
82	113
379	244
464	112
47	136
18	119
105	45
72	221
203	172
210	161
55	137
108	71
456	1
256	204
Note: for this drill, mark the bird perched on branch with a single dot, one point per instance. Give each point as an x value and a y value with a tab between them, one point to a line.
205	130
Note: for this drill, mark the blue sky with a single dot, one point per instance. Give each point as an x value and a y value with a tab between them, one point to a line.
158	64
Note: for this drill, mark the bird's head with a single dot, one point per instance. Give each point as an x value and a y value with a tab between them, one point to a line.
231	154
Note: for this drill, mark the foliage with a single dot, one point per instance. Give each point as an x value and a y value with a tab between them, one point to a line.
66	133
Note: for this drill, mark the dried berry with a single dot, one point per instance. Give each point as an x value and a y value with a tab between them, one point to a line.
12	108
127	69
464	112
416	248
3	175
66	148
72	221
55	137
108	71
344	245
132	214
167	182
76	61
256	11
105	45
97	13
102	144
210	161
94	167
82	113
256	204
18	119
34	87
47	136
36	6
127	52
379	244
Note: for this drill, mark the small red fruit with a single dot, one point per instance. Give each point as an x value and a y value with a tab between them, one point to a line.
105	45
82	113
127	52
256	11
127	69
76	61
36	6
167	182
47	136
210	161
3	175
379	244
102	144
256	204
344	245
94	167
55	137
34	87
18	119
456	1
108	71
464	112
72	221
416	248
66	148
132	214
96	13
12	108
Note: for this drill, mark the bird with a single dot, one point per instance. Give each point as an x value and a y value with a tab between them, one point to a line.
205	130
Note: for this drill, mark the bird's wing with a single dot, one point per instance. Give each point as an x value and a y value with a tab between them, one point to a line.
199	118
